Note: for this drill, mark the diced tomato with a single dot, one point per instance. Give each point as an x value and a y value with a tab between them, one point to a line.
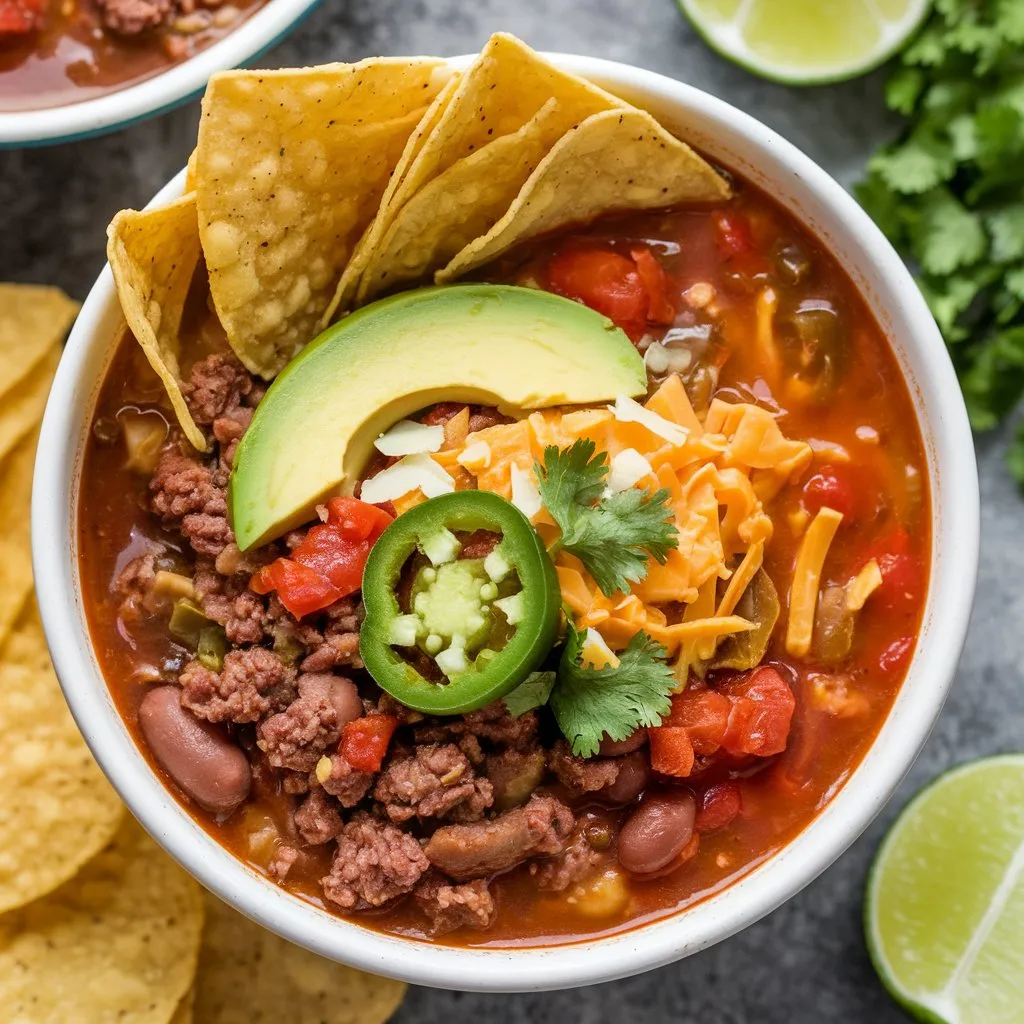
301	589
356	519
895	657
734	237
19	17
338	560
902	575
604	281
671	751
762	711
364	742
719	805
656	283
704	714
831	487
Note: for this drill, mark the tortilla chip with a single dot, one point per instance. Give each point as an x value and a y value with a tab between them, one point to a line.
248	975
614	161
33	319
346	289
184	1014
154	255
291	169
505	88
56	807
116	945
190	171
459	205
15	553
22	410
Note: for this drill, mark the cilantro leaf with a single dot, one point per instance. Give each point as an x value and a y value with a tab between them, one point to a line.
1006	227
945	235
917	165
589	702
612	535
531	693
1015	456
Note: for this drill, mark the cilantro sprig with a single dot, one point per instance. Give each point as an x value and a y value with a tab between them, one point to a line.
613	535
589	702
950	194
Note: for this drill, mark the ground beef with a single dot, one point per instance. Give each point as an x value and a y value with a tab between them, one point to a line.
130	17
471	851
216	386
376	862
253	683
330	639
492	723
336	650
136	584
436	781
515	774
479	544
228	431
281	862
483	416
189	495
229	601
584	775
295	783
346	783
318	818
297	737
571	866
449	907
470	746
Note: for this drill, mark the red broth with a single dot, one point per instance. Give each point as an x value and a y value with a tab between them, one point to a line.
840	388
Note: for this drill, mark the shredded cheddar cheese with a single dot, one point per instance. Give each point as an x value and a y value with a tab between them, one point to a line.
803	595
862	586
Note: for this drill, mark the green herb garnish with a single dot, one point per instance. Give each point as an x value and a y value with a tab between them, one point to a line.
532	692
950	194
613	535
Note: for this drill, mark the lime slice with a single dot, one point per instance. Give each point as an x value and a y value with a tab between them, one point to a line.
944	915
802	42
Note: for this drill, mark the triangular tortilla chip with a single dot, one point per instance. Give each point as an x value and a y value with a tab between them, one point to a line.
33	318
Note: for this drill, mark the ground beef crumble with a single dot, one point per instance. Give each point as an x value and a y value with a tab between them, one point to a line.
253	683
345	783
296	737
450	907
318	818
584	775
435	781
375	863
570	867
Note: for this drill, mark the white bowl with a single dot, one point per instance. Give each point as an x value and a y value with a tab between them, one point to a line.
178	84
832	215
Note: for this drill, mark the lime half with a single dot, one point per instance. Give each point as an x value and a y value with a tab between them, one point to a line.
802	42
944	915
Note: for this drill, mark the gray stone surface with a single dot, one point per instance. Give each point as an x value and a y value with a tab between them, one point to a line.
806	962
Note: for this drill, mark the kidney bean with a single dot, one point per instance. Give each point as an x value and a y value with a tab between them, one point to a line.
634	774
657	831
616	748
197	755
346	700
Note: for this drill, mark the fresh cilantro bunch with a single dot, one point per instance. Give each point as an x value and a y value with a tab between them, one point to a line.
613	535
589	702
950	194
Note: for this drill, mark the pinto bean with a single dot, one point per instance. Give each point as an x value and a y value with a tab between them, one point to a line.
346	700
196	754
634	774
616	748
657	832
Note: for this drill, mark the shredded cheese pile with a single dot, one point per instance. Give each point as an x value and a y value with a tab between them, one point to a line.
719	474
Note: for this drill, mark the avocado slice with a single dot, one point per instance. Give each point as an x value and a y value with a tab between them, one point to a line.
518	348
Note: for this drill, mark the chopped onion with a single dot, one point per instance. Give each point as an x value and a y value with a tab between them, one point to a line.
626	410
627	468
407	437
525	493
656	357
405	476
477	453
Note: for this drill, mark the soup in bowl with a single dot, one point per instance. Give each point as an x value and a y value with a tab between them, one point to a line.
526	570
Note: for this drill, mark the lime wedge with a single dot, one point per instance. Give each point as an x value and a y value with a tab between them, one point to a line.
803	42
944	915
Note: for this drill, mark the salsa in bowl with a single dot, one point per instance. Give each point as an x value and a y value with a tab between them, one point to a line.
73	68
532	627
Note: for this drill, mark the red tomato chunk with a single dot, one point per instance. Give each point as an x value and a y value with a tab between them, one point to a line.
762	710
19	17
364	742
302	590
831	488
671	751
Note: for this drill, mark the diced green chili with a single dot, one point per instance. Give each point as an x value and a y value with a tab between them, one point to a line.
213	645
187	622
486	623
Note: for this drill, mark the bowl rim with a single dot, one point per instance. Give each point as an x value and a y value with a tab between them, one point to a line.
956	534
71	122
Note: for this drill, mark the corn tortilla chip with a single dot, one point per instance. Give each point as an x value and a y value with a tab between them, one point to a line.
291	168
22	410
616	160
33	318
501	92
15	555
184	1014
459	205
56	807
26	643
117	944
346	289
153	255
248	975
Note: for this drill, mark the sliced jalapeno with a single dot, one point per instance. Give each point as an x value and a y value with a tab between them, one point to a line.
487	623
